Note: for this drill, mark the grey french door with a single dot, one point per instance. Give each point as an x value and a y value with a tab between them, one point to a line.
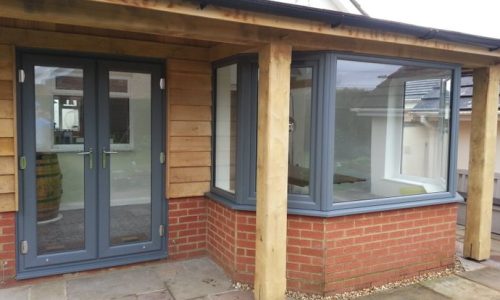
91	155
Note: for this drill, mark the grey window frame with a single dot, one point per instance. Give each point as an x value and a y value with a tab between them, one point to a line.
388	203
320	202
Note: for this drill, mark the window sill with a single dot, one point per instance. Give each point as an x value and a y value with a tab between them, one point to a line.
336	212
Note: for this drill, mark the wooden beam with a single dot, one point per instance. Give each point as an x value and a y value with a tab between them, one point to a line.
219	13
272	170
477	242
224	50
129	18
88	43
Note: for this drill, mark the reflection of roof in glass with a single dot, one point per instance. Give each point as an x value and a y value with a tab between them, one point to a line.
466	91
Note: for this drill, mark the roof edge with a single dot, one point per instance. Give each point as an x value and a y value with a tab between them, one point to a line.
335	18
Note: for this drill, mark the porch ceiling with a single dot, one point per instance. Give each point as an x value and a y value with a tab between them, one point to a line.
173	21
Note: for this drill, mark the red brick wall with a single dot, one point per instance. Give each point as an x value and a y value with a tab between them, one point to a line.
331	255
221	232
305	254
187	227
372	249
7	245
231	242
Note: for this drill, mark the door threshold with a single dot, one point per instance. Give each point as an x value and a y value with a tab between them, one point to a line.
100	263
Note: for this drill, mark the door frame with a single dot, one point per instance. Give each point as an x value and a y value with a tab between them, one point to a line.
22	232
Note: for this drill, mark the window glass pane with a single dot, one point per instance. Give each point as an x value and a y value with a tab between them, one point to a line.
391	130
299	154
225	128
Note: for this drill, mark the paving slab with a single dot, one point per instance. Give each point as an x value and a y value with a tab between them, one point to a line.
459	288
55	290
414	292
165	271
233	295
17	293
115	284
199	278
489	277
160	295
470	265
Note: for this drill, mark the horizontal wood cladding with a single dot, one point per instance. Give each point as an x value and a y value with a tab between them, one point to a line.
192	81
7	165
190	113
6	109
191	174
8	170
7	184
6	92
178	190
190	159
189	97
8	202
189	144
7	127
7	147
189	66
189	127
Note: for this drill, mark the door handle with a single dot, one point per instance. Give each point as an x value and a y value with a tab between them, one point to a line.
90	155
105	153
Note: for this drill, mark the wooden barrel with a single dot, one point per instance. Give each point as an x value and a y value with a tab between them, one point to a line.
48	186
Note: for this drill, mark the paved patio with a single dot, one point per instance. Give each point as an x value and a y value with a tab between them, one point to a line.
202	279
193	279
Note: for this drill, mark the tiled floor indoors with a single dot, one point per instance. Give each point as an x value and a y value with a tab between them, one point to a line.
203	279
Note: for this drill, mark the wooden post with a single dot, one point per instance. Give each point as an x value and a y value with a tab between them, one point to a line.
272	171
477	242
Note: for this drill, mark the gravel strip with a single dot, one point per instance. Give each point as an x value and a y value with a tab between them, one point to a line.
355	294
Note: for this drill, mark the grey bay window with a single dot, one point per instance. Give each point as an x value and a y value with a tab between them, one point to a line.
365	134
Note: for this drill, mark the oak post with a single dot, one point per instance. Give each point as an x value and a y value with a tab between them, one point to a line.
477	242
272	171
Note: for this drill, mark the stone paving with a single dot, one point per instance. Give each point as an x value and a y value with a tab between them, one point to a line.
202	279
192	279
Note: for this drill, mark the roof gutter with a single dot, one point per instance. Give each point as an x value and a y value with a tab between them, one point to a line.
335	19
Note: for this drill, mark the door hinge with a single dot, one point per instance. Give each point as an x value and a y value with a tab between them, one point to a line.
162	158
24	247
22	162
21	76
161	230
162	83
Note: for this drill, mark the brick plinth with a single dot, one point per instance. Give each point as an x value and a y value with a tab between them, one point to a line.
7	245
187	227
332	255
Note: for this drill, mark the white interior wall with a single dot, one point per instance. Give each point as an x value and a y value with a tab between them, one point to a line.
226	82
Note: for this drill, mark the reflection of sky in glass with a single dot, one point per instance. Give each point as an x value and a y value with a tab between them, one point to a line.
362	75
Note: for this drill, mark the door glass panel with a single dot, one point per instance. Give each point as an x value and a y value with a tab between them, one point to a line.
130	157
59	159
